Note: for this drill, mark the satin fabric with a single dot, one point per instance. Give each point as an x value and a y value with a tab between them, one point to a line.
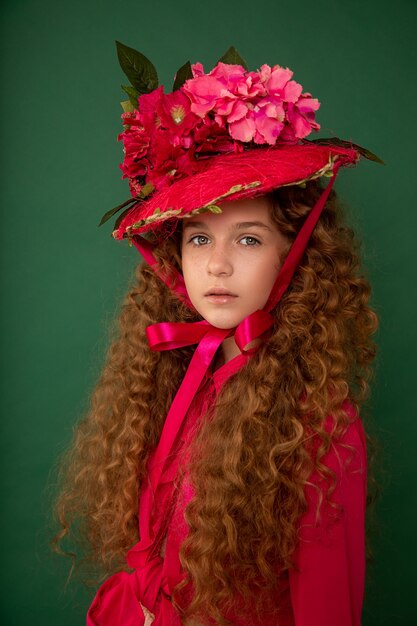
117	602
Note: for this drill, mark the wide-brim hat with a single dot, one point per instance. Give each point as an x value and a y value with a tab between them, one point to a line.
225	135
232	177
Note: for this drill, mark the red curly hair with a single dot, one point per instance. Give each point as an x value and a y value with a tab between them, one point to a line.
251	460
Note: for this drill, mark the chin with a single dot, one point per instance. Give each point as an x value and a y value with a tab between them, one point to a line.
223	321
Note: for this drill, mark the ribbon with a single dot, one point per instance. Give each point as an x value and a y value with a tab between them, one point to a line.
117	602
119	597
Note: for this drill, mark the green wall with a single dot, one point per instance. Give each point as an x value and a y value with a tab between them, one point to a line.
63	278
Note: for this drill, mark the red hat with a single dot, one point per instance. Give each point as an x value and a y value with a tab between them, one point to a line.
228	134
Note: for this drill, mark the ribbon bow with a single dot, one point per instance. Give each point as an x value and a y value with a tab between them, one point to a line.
117	602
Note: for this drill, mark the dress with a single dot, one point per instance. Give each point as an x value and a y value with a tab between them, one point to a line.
325	589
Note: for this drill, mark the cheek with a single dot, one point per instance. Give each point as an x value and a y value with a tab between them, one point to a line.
265	269
190	269
261	278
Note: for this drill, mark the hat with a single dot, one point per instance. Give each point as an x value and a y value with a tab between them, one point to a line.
227	134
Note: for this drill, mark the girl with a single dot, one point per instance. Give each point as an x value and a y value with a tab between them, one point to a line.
220	473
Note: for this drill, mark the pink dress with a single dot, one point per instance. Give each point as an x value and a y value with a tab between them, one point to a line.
325	589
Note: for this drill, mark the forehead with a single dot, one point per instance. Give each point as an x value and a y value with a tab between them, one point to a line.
254	210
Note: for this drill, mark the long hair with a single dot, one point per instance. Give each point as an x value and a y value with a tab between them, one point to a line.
250	460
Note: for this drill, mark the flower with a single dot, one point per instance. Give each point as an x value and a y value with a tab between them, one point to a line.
301	116
279	83
136	145
204	92
209	137
174	111
269	120
226	110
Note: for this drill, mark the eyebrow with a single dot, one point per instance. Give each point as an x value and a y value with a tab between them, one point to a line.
239	226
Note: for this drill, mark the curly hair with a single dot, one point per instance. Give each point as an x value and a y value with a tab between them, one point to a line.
251	459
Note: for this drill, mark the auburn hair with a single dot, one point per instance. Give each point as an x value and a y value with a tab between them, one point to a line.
251	458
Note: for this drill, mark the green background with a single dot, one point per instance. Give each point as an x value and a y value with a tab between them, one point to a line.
63	278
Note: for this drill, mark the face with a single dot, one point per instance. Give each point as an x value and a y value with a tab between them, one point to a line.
230	260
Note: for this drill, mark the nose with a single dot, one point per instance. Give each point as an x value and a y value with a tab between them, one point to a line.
219	262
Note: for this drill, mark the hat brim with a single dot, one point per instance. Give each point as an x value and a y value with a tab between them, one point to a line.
232	177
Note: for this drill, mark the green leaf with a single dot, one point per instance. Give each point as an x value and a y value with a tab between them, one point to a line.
138	224
133	95
232	190
139	70
184	73
121	217
213	208
232	57
116	209
348	144
146	190
127	106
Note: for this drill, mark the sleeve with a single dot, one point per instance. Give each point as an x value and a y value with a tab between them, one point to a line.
327	583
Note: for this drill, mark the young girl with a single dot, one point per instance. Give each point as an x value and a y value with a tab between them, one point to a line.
220	473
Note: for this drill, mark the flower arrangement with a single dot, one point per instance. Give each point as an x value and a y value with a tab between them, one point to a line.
170	136
230	109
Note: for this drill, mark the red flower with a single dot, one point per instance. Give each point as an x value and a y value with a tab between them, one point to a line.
136	146
210	137
174	112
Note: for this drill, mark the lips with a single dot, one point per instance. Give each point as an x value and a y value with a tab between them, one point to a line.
218	291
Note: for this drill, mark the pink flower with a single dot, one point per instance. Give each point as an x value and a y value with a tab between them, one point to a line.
264	73
280	84
308	105
269	120
236	111
218	90
251	87
228	75
197	69
243	129
204	93
301	116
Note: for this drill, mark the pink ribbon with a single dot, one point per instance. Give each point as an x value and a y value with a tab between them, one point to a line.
117	601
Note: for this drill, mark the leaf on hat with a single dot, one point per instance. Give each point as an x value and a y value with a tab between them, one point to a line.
213	208
184	73
127	106
232	57
120	218
116	209
209	208
146	190
133	94
335	141
139	70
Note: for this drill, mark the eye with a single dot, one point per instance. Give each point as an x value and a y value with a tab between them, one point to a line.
250	241
199	240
